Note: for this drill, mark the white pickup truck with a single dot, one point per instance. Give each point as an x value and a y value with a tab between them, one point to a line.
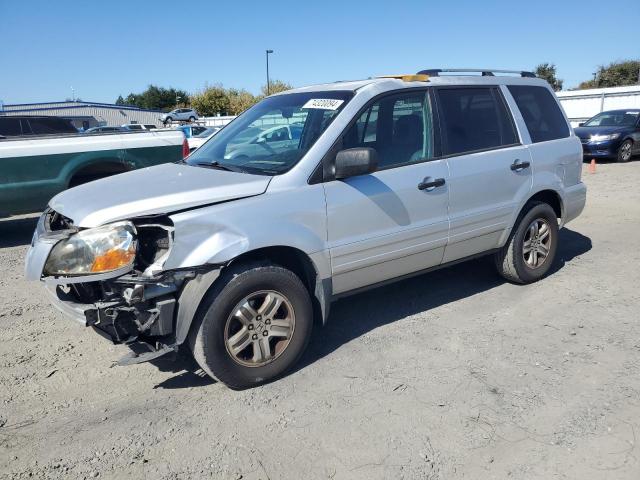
34	169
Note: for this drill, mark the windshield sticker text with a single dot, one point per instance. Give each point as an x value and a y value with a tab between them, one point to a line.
323	103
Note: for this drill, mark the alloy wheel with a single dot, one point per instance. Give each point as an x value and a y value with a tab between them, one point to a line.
259	328
626	151
537	243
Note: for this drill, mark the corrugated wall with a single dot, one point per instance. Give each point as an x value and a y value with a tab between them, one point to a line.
104	114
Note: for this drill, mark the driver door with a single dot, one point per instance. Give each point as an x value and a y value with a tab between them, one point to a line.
381	225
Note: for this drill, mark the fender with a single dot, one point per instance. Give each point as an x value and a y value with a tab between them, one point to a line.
215	235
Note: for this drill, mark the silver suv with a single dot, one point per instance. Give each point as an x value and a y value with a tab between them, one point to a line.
180	114
238	256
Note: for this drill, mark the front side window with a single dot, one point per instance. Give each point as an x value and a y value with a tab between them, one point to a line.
541	113
473	119
398	127
618	118
273	135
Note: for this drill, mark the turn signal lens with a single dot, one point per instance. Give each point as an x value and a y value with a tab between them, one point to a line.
112	260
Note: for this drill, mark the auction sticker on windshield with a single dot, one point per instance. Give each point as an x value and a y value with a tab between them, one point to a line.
323	103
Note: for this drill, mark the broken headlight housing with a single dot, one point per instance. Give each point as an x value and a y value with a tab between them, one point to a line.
96	250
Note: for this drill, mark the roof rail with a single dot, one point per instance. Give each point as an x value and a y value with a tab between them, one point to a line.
486	72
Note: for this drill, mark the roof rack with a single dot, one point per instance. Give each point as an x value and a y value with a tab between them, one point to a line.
486	72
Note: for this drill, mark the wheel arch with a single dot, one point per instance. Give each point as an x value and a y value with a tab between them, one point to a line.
546	195
288	257
101	166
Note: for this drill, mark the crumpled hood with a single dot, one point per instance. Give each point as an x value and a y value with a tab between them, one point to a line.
161	189
586	132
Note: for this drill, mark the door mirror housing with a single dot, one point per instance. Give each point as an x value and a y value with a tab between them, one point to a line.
581	124
355	161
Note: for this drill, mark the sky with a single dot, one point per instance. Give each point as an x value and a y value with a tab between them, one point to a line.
103	49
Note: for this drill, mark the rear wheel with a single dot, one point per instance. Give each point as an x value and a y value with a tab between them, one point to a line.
531	248
192	119
624	152
252	326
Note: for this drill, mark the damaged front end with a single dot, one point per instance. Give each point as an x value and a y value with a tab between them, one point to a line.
135	304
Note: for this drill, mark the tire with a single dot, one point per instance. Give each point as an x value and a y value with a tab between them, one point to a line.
624	151
513	262
219	321
168	120
192	119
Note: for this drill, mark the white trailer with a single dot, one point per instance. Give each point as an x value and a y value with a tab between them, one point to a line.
581	105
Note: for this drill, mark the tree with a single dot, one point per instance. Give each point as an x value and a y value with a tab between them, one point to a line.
275	86
212	100
616	74
156	98
547	71
240	100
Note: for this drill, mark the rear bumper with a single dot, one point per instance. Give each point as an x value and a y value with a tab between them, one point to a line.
575	198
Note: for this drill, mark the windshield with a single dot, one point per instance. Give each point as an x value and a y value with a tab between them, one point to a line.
619	118
272	136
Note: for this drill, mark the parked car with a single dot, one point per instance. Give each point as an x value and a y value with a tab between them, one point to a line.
133	127
16	126
612	134
191	130
180	114
197	140
34	169
104	129
389	177
274	139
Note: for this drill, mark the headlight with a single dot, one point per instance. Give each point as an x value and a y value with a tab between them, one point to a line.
604	138
95	250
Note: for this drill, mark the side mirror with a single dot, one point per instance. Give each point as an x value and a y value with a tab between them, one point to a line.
581	124
355	161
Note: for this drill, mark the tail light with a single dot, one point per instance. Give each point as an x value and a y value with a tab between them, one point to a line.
185	148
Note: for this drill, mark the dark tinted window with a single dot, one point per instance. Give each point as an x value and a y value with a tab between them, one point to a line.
47	126
541	113
473	119
398	127
10	126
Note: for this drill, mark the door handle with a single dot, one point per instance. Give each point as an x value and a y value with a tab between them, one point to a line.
517	165
428	184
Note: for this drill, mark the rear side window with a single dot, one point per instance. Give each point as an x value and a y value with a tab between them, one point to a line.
10	127
474	119
541	113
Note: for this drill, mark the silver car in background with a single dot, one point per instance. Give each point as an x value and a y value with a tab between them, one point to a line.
180	115
236	256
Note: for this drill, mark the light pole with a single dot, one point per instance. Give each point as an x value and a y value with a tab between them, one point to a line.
267	52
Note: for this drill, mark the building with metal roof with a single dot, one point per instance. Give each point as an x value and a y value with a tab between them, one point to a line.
87	114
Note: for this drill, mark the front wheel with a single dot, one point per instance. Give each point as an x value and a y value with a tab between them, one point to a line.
624	152
252	326
168	120
192	119
531	248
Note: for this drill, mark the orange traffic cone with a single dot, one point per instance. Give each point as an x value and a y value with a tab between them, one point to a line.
592	166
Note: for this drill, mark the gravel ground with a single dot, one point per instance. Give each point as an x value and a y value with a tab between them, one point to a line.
453	374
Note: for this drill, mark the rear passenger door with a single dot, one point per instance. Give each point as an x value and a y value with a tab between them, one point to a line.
489	168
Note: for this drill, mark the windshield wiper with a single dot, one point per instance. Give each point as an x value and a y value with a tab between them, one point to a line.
218	166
